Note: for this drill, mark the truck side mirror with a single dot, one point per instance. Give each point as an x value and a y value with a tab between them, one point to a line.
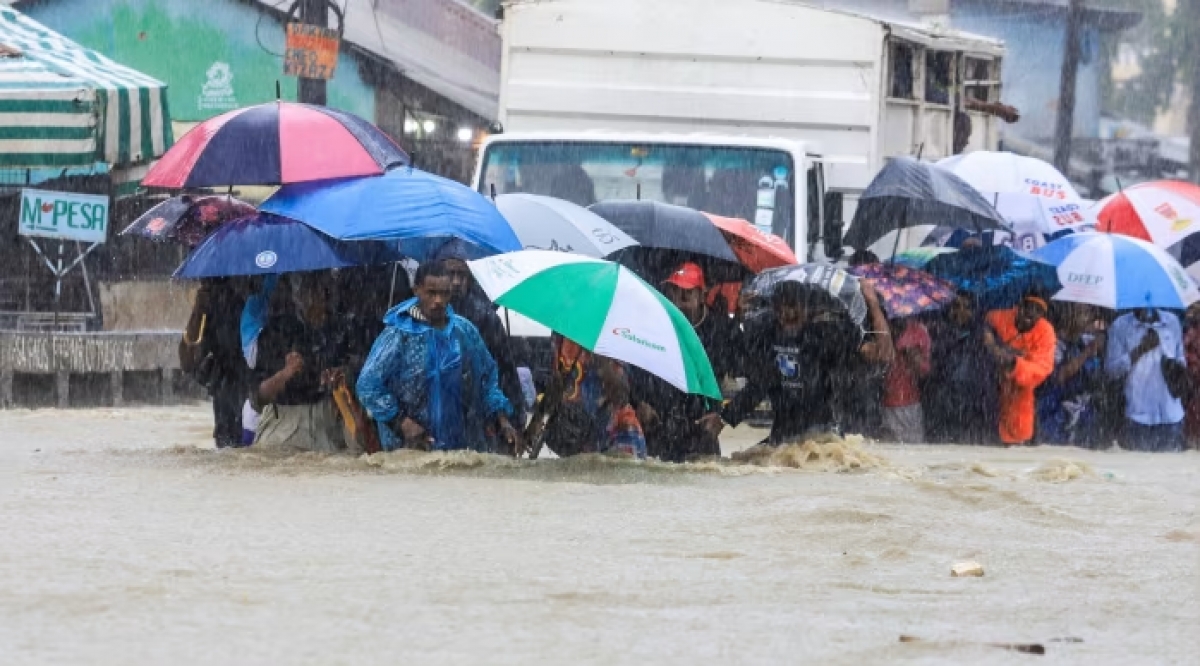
833	225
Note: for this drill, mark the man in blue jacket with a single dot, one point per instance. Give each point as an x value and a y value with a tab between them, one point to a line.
429	381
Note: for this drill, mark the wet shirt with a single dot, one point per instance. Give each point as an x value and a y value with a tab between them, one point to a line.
720	337
960	395
1148	401
1066	411
796	371
585	417
287	333
901	387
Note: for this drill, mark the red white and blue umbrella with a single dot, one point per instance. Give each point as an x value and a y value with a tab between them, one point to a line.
1163	212
1118	272
274	144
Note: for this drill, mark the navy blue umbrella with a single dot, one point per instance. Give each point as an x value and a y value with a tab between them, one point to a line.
908	193
1188	253
420	210
996	275
265	244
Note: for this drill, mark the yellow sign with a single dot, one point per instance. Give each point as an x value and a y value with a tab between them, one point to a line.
312	52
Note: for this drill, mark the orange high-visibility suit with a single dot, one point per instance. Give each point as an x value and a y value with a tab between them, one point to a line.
1033	366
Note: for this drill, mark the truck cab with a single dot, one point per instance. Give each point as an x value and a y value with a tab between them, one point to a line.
777	184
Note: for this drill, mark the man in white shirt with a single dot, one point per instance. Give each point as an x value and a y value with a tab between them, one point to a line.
1140	343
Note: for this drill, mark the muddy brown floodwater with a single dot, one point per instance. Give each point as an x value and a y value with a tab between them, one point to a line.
128	540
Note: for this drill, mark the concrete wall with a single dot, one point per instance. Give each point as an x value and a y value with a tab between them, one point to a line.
146	305
44	369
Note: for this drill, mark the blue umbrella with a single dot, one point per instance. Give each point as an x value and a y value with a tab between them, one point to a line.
266	245
907	193
419	209
996	275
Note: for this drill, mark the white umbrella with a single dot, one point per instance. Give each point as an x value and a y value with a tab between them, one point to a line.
546	223
1025	190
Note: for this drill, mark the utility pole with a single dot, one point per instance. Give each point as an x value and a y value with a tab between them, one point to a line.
1190	11
313	12
1064	125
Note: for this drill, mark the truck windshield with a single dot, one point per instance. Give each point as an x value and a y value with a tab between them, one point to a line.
753	184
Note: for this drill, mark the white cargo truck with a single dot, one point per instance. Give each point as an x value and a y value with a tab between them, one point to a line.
746	108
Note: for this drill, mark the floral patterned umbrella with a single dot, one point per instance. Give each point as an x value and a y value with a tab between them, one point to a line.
188	219
905	291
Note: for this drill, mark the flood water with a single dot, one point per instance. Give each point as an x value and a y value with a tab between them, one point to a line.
128	540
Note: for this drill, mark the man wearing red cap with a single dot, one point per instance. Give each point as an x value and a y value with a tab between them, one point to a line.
678	425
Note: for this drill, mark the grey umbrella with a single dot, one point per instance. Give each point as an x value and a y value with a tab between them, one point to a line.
546	223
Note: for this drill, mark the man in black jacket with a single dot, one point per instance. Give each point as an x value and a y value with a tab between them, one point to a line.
678	425
470	303
211	351
795	355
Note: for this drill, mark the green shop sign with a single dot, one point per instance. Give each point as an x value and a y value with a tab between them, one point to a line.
214	55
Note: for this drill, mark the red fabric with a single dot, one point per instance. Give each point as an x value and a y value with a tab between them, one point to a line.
1191	347
303	132
731	291
174	167
1033	366
900	388
756	250
1120	216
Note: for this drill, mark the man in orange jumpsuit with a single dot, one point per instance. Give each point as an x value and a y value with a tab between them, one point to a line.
1022	344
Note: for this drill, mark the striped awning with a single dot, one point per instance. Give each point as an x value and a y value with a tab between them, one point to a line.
64	105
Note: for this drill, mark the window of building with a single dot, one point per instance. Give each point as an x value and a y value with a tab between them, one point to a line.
902	56
939	76
980	81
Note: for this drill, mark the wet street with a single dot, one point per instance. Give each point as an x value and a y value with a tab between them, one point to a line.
128	540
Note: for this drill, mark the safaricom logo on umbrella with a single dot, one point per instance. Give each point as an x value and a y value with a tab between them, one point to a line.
628	335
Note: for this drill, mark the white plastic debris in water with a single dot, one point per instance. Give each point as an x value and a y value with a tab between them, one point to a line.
965	569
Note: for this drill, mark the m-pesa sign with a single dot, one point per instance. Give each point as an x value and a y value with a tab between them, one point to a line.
64	216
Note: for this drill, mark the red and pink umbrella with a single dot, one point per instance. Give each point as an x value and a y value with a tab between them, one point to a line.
1163	212
274	144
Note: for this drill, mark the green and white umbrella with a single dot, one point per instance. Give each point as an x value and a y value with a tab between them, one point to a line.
603	307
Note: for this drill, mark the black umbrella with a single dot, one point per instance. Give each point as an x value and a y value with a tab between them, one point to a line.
669	235
907	193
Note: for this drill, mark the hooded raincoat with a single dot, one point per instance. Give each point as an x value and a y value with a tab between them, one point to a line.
444	379
1033	365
